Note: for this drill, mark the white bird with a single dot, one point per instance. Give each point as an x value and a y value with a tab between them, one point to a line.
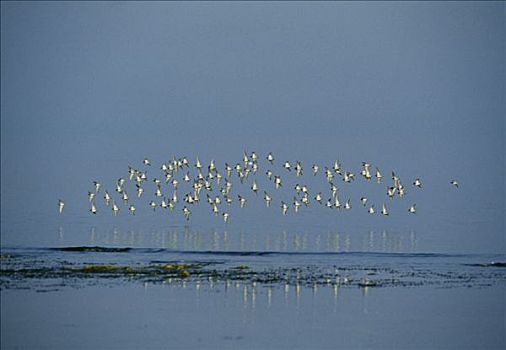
61	204
318	197
305	199
215	209
417	183
384	210
228	186
212	166
146	161
115	208
91	196
298	168
337	203
152	204
125	196
93	208
455	183
97	186
242	201
254	187
365	171
378	175
347	205
186	213
269	174
284	207
132	209
337	167
328	175
363	200
270	158
315	169
189	199
296	204
412	209
107	198
140	191
333	189
228	169
287	166
267	199
371	209
277	181
225	216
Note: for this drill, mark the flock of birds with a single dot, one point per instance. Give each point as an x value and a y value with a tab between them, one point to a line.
207	178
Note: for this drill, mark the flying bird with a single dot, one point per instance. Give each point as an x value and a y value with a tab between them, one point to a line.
270	158
93	209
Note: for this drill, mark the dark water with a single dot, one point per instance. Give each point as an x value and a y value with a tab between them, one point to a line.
106	297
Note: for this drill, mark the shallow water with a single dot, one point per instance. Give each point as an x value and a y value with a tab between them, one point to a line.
190	315
318	279
102	297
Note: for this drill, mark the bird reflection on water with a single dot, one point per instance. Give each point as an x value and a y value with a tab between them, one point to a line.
284	241
251	295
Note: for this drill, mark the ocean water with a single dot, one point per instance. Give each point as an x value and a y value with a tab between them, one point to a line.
189	289
91	88
318	278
